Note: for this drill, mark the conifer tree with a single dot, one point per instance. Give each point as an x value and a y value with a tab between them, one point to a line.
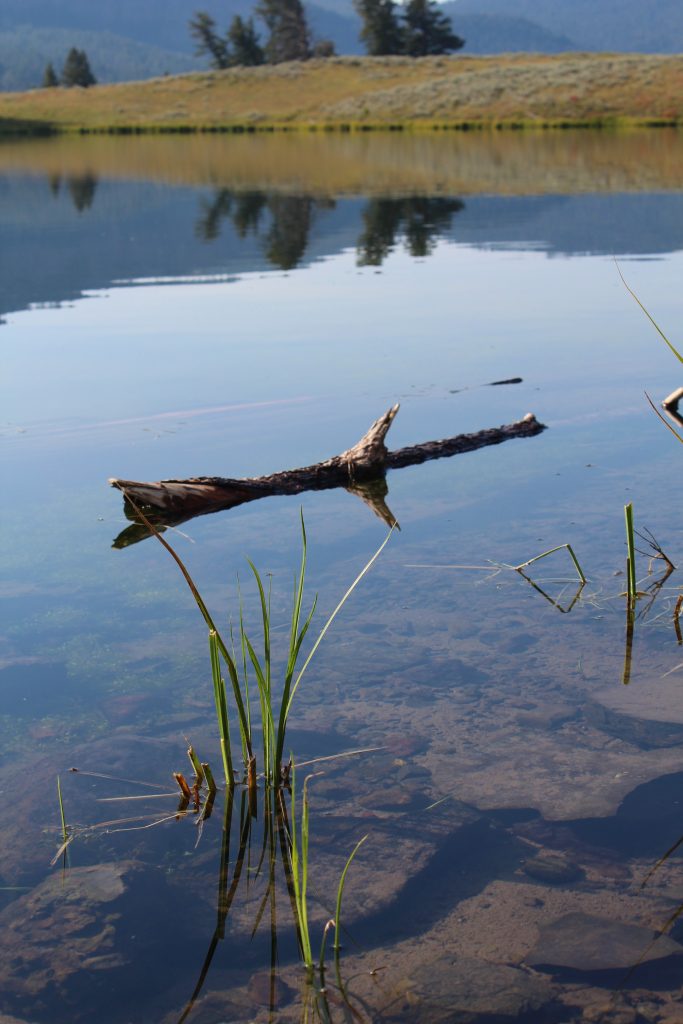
381	31
427	31
289	37
50	79
243	42
77	69
203	29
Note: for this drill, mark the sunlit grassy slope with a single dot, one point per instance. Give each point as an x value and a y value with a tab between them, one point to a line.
519	88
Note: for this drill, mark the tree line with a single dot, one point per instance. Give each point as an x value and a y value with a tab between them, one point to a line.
418	29
414	29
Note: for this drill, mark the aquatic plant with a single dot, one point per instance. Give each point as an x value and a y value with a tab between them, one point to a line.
340	893
298	845
673	349
525	565
65	830
67	834
273	735
631	591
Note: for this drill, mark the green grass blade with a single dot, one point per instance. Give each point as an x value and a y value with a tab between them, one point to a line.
244	726
654	323
196	764
321	959
65	830
299	867
265	615
333	616
631	552
221	709
295	641
208	775
308	959
340	893
551	551
664	421
243	648
298	600
267	726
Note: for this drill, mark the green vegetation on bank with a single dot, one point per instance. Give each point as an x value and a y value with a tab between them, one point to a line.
351	92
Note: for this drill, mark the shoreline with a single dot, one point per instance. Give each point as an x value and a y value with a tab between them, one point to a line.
415	127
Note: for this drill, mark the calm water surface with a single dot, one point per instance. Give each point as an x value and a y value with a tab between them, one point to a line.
172	308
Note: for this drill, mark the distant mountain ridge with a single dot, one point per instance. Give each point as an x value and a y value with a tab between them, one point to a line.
25	51
655	26
129	39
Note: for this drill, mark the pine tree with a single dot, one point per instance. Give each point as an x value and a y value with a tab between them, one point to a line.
203	29
427	31
289	37
243	43
77	69
381	31
50	79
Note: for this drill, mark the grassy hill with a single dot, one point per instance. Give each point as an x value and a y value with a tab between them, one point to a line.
380	91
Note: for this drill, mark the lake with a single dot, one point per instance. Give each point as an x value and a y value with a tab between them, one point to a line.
511	745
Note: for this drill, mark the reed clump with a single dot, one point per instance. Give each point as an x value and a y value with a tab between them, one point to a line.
275	704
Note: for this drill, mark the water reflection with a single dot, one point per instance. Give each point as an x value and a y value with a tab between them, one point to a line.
82	191
81	188
163	233
419	220
381	163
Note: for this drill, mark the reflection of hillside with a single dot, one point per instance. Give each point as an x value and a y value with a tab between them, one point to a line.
53	250
449	163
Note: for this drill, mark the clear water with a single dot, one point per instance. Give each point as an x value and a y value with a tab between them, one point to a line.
242	306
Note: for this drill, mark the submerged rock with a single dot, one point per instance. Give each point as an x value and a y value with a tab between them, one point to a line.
553	868
58	929
581	942
463	990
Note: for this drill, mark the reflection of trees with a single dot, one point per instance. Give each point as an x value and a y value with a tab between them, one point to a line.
420	219
284	223
288	234
82	190
289	221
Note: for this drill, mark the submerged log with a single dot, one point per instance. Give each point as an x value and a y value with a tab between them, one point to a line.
360	469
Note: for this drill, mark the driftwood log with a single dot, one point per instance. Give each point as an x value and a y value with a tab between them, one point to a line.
360	469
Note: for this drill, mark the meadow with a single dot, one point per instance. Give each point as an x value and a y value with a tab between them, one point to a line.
514	90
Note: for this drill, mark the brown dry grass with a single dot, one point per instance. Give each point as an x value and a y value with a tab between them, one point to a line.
520	88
